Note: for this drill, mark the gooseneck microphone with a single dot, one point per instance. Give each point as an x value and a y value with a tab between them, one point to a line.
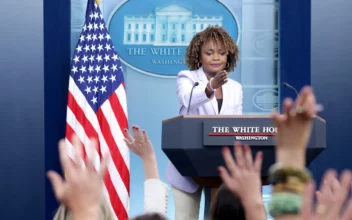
190	98
318	107
291	87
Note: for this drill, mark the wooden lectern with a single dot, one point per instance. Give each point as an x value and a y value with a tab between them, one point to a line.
193	144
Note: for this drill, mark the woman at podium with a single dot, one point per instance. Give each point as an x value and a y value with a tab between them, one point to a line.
204	89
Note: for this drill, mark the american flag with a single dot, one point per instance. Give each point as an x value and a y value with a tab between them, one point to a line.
97	105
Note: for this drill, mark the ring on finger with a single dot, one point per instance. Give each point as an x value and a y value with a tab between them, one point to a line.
300	109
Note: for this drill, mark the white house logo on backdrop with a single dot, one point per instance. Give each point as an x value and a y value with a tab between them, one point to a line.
265	99
153	38
171	25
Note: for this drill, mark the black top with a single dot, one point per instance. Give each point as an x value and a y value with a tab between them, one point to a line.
219	104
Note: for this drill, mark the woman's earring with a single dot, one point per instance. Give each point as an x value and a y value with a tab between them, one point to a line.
227	65
198	64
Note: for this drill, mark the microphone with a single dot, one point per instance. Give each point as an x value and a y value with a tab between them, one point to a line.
318	106
190	98
291	87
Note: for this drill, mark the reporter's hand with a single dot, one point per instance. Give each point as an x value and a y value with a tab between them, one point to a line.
219	79
140	144
82	191
330	199
243	179
294	127
143	147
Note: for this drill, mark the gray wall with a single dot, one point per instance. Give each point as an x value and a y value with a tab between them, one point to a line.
22	110
331	64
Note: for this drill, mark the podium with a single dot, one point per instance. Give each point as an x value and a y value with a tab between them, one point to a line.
193	143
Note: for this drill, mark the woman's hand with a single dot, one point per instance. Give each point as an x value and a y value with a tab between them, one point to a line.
330	199
219	79
294	127
82	191
243	179
143	147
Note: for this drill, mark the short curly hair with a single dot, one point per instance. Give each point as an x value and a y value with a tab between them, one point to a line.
218	35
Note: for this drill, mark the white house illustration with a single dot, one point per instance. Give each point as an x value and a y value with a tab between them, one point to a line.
266	99
171	25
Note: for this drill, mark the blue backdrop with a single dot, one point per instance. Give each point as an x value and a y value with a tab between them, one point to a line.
33	113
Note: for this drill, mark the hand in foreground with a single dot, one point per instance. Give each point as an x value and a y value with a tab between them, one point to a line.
243	178
330	199
143	147
141	144
294	127
82	191
295	124
219	79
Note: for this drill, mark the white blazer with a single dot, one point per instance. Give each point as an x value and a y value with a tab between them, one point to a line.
156	194
200	103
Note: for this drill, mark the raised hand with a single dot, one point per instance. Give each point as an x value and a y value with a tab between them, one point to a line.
294	127
82	191
243	178
330	199
142	146
219	79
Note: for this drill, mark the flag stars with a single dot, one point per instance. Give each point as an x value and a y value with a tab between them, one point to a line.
112	78
81	79
94	100
79	48
106	68
90	26
106	58
95	25
96	79
76	59
96	15
95	57
74	69
95	90
87	90
100	47
97	68
85	58
83	69
103	89
91	16
99	58
94	37
115	57
101	37
90	69
90	79
89	37
107	47
104	79
101	26
92	58
114	67
86	48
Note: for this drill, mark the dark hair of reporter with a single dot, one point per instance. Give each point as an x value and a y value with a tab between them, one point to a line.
227	206
150	216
